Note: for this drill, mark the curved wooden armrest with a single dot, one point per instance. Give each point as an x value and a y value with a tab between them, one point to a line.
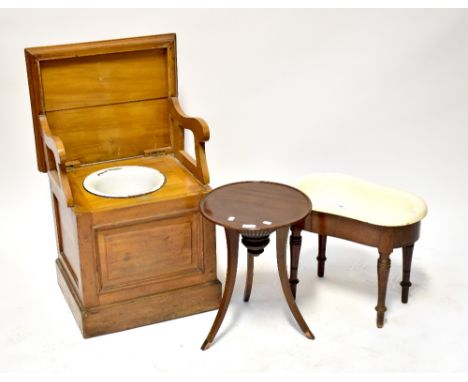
55	145
198	126
201	133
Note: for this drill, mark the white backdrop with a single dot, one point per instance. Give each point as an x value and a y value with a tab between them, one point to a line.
380	94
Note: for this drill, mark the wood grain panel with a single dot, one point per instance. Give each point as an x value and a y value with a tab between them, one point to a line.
167	305
150	56
104	79
69	246
148	252
103	133
140	311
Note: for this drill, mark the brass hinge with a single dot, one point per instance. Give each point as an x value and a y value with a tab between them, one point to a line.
72	165
157	152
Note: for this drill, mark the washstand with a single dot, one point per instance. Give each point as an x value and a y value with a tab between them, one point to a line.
133	248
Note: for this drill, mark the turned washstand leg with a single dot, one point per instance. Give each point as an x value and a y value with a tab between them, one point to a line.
281	242
406	283
255	246
295	242
321	258
232	238
383	270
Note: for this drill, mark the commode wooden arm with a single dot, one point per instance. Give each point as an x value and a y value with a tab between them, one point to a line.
199	128
54	146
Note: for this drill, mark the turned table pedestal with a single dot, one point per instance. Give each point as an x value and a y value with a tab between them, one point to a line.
254	210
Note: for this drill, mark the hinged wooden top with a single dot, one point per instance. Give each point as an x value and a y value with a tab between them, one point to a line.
105	100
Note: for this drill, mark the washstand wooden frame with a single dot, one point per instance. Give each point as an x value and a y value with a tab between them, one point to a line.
385	239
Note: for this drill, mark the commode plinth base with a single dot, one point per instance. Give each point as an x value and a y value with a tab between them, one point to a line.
139	311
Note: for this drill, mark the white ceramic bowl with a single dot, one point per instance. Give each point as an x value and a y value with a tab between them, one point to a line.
124	181
354	198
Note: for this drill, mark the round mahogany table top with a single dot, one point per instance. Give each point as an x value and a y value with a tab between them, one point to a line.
255	206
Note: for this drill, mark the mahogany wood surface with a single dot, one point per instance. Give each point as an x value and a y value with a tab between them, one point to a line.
281	242
406	283
295	241
255	203
321	258
232	239
385	239
123	262
249	277
271	207
255	246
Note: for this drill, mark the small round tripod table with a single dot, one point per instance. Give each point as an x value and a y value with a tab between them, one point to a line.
254	210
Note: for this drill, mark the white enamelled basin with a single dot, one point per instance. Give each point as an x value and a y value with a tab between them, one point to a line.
124	181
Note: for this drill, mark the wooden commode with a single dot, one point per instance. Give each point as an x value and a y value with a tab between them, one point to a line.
123	262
